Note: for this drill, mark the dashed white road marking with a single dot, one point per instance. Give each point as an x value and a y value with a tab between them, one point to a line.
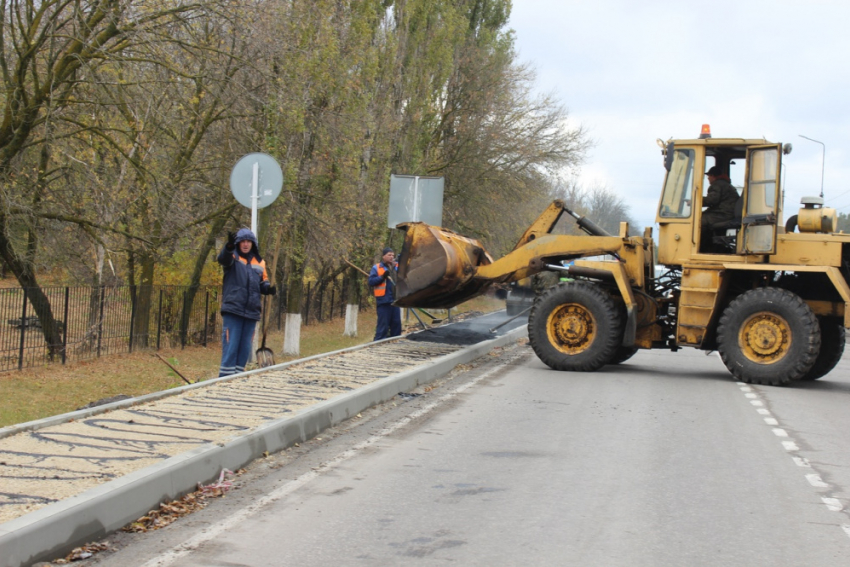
832	504
815	480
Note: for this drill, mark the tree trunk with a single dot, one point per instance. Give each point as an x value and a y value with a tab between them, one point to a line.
26	278
352	302
294	298
200	261
94	301
144	303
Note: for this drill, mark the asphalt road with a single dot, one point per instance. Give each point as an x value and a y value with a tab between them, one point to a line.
664	460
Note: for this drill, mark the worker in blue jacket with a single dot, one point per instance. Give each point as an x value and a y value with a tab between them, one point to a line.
245	279
382	280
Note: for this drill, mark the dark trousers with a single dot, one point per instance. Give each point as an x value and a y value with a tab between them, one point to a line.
389	321
237	333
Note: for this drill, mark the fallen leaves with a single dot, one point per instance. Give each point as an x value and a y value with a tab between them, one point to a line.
168	512
84	552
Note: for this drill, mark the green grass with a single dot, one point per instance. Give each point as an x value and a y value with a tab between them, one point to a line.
50	390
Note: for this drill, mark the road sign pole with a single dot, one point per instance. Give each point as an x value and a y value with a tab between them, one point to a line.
255	197
416	199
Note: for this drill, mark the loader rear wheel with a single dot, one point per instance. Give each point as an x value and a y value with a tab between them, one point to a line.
831	348
768	336
575	326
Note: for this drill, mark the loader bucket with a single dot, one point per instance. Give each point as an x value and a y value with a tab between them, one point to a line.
436	267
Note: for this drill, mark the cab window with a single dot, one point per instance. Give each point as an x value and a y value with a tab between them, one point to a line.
762	183
676	200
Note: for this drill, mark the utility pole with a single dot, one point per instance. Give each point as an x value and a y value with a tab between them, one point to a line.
822	161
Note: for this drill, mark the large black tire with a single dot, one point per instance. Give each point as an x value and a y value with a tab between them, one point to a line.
768	336
623	354
831	348
575	326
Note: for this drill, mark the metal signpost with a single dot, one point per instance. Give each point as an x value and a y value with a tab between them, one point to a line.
256	181
414	198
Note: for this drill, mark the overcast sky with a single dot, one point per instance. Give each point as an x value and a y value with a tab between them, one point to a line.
631	72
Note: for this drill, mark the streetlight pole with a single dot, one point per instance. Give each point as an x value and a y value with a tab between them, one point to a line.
822	160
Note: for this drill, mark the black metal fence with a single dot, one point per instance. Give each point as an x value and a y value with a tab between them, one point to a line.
99	321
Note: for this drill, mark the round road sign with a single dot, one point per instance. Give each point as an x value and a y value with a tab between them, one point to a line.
269	179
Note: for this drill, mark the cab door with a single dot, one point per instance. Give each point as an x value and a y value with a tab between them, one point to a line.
761	200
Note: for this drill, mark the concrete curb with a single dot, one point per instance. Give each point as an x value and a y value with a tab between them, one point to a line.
54	530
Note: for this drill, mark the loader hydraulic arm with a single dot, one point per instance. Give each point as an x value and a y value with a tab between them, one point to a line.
550	217
440	268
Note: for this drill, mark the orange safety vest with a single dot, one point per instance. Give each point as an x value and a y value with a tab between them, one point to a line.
262	263
381	290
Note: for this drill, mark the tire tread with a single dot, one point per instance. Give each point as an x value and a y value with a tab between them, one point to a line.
609	323
804	351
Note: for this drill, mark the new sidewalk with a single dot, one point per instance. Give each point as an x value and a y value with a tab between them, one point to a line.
51	531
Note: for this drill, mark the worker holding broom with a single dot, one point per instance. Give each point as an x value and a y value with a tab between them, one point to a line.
245	280
382	280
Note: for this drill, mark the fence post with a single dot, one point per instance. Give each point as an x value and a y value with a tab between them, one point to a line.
320	301
185	331
280	302
100	319
343	297
206	315
159	319
65	326
23	331
132	315
307	307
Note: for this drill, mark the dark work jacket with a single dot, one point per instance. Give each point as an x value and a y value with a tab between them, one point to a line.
244	281
388	284
720	199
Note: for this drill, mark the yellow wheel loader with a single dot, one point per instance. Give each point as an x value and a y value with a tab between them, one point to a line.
773	299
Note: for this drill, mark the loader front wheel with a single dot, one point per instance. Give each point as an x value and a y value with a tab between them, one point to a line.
831	348
768	336
623	354
575	326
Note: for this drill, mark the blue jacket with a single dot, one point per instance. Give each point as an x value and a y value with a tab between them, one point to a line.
376	282
245	279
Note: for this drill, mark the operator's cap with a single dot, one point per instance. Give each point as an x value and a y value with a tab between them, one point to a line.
386	251
715	171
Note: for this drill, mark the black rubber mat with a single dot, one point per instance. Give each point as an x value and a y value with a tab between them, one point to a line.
469	332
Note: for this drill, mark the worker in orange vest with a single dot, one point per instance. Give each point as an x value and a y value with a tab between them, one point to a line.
382	280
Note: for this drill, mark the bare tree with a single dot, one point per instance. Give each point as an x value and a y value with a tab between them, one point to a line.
55	55
597	202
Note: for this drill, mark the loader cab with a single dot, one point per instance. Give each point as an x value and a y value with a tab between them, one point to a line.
752	167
